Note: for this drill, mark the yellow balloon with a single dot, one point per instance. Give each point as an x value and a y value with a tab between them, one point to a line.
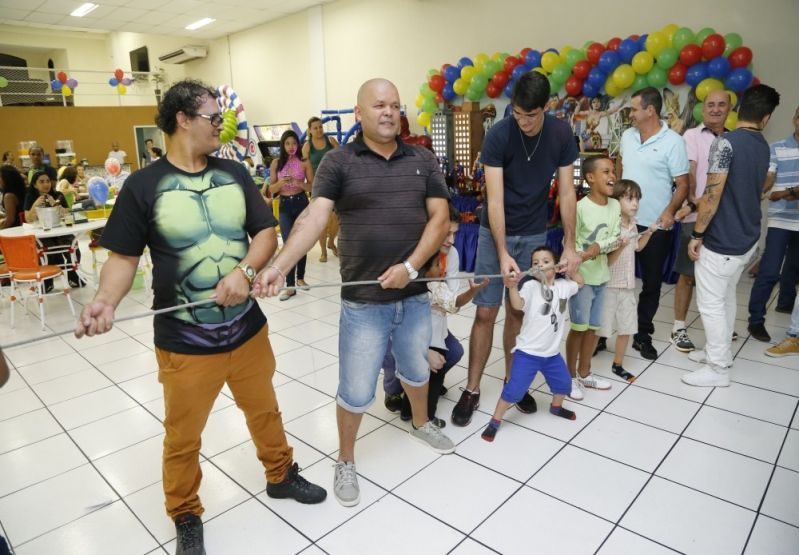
66	90
623	77
733	100
656	42
540	70
611	88
565	50
467	73
643	62
496	56
460	87
549	61
669	31
122	89
419	100
707	86
482	57
731	121
423	119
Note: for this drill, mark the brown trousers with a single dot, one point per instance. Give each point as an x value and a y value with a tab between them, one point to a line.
191	384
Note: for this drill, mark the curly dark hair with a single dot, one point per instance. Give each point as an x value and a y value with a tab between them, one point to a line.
184	96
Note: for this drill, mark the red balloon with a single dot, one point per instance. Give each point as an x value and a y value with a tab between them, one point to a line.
677	73
582	69
492	90
119	74
437	83
62	76
511	62
613	44
740	57
594	51
444	68
635	37
690	54
500	79
523	53
439	98
713	46
574	86
755	82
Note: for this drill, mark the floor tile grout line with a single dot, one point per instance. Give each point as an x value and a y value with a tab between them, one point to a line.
768	485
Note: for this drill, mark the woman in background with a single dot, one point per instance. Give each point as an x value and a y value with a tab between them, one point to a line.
317	145
12	186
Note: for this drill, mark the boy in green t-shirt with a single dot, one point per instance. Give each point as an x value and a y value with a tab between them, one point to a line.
597	229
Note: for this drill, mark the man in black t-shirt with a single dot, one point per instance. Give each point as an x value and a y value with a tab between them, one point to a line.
391	200
208	231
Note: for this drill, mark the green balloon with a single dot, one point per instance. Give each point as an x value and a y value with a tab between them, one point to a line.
561	72
657	77
473	95
698	117
431	72
426	91
703	34
429	105
554	85
667	58
733	41
479	82
588	43
639	83
682	37
3	82
575	55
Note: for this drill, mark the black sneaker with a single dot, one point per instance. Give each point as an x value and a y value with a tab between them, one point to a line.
442	391
189	529
758	331
467	404
296	487
619	370
393	401
681	341
784	309
644	346
527	404
601	345
405	411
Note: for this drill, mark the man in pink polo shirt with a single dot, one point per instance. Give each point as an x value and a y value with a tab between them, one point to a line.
697	142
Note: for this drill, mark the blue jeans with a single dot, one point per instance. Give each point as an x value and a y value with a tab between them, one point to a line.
781	245
290	208
520	247
364	332
585	308
392	386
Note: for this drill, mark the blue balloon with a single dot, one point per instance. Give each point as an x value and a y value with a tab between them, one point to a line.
533	59
463	62
719	67
113	82
555	50
642	41
447	93
590	90
98	190
627	49
452	73
518	71
739	80
55	84
596	78
608	61
696	73
509	89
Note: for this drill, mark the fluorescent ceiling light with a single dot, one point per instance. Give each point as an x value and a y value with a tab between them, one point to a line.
83	9
201	23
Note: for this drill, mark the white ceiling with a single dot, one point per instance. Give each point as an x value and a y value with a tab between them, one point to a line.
158	17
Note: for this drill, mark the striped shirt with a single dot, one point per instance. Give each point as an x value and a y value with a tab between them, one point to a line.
784	162
382	211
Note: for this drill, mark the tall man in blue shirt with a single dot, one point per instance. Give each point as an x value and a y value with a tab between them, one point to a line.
727	229
653	156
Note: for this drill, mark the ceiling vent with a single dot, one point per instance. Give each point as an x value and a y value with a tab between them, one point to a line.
183	55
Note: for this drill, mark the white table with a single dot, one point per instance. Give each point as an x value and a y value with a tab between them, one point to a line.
76	231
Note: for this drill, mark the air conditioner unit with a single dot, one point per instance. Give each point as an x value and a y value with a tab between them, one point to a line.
183	55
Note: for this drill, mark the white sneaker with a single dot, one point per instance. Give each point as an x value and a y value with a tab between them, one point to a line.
433	437
698	356
707	377
577	390
345	484
594	382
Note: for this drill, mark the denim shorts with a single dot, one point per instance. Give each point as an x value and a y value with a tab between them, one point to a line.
364	331
585	308
520	247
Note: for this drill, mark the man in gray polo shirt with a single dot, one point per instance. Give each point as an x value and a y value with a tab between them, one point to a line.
727	229
391	200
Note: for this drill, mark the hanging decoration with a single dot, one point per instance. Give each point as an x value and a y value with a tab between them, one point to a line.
120	82
63	84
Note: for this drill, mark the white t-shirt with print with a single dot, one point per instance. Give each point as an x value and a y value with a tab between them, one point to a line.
541	333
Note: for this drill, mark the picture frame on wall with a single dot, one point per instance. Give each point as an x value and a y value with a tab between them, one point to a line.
143	133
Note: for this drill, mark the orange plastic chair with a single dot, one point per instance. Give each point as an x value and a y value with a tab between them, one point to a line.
28	274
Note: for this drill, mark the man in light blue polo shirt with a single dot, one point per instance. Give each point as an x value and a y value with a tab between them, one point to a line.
782	240
655	157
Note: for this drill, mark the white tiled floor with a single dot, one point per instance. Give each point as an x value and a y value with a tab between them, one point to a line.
653	467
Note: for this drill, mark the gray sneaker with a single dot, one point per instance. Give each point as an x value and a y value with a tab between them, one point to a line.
345	484
433	437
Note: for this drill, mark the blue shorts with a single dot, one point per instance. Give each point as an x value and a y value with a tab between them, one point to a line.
585	308
524	369
520	247
364	331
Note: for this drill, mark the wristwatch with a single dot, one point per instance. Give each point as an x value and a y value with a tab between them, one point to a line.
249	271
412	273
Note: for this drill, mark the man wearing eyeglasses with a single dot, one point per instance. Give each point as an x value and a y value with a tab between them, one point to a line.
209	232
521	155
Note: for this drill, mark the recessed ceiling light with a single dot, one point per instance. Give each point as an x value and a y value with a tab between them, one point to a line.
201	23
83	9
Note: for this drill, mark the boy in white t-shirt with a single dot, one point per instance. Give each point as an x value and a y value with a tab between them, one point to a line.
543	301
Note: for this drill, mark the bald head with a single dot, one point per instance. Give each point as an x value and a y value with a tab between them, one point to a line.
715	109
378	111
372	86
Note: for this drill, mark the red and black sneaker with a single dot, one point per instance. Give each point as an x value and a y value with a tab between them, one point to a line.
467	404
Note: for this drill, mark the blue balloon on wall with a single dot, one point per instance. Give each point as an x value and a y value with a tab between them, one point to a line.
608	61
463	62
696	74
451	74
533	59
447	93
719	67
